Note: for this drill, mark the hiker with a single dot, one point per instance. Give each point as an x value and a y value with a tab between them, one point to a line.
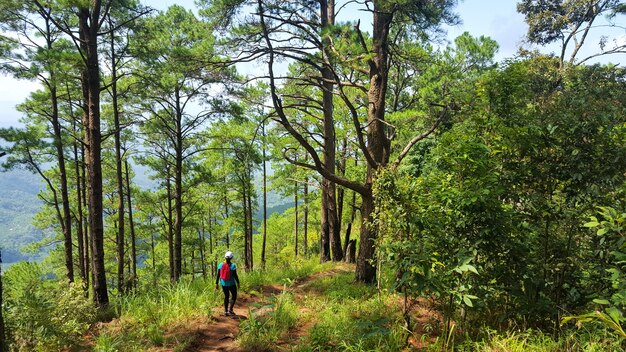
227	277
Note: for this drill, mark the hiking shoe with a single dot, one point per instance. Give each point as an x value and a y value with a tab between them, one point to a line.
226	313
231	313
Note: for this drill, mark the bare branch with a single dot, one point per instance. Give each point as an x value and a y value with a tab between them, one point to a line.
416	139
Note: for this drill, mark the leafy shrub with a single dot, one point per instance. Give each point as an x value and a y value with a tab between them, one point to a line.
611	230
43	314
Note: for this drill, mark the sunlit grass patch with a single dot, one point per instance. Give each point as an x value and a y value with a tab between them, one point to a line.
347	316
280	274
341	286
268	322
145	318
536	341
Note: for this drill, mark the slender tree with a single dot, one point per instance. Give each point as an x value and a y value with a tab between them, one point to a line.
31	20
376	146
173	50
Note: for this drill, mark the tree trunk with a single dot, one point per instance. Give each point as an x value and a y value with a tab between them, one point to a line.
226	212
249	242
153	256
351	252
306	216
264	200
178	184
378	142
201	240
66	224
80	236
247	214
295	222
118	171
341	191
89	26
365	268
244	205
84	219
170	227
131	222
330	221
325	227
213	264
349	227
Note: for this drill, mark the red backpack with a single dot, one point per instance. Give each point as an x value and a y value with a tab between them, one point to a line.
225	272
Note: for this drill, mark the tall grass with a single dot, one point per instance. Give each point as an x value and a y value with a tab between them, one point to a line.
535	341
284	274
346	316
329	313
268	323
157	316
145	318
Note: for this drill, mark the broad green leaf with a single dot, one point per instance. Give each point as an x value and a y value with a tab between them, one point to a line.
601	301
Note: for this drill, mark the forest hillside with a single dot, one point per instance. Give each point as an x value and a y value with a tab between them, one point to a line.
18	205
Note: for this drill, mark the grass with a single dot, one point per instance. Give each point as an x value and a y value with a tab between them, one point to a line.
282	275
332	312
267	324
144	319
329	312
155	318
536	341
346	316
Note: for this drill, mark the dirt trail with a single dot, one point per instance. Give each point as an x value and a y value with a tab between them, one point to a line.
219	334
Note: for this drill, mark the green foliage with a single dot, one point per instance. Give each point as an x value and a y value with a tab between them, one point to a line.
287	272
443	228
44	315
268	322
349	317
611	231
486	219
145	317
536	341
571	22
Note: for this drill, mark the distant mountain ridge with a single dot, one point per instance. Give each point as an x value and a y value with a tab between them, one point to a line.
18	204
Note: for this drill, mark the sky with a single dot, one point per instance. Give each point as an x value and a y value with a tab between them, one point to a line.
497	19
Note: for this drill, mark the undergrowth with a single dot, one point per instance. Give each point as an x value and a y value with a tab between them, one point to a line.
347	316
146	318
326	313
267	323
536	341
284	274
158	317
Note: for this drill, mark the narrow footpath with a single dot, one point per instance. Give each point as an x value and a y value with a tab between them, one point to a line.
220	333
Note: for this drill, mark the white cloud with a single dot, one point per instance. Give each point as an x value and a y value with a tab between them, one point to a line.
12	93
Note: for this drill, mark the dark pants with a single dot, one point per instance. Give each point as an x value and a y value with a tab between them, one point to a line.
228	290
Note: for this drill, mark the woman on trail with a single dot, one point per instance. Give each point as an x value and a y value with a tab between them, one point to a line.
227	277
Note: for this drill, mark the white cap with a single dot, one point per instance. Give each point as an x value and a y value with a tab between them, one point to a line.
228	255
